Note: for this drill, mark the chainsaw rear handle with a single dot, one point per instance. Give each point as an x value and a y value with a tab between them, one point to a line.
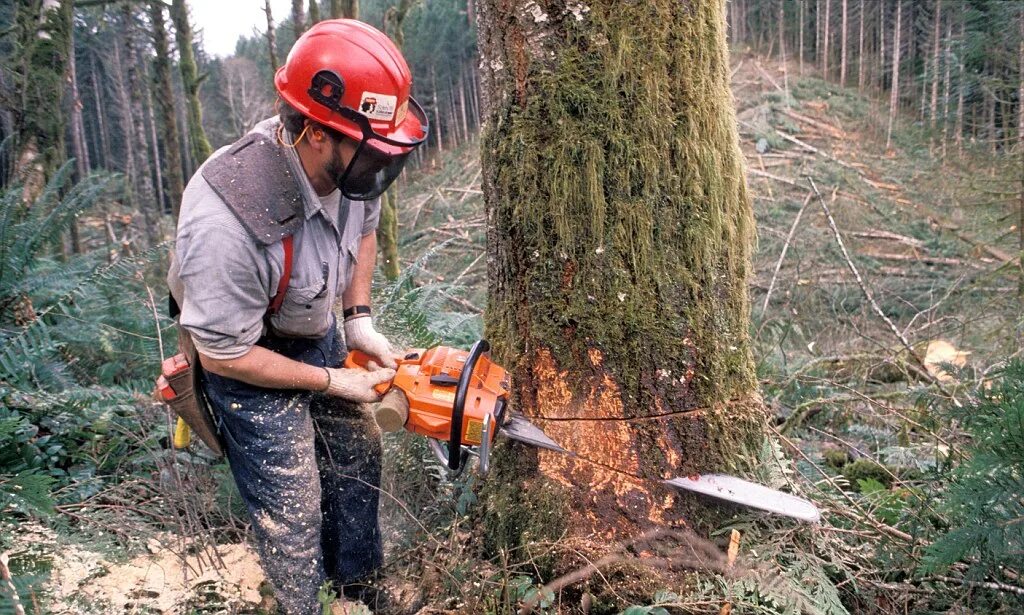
459	407
357	359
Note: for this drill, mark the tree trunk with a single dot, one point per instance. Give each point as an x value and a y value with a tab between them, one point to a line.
860	50
894	90
947	57
387	234
462	100
782	49
962	76
936	37
137	116
619	240
824	54
314	12
82	164
817	32
190	79
436	129
127	128
165	103
348	9
158	178
271	37
40	121
298	18
842	51
101	124
881	46
801	54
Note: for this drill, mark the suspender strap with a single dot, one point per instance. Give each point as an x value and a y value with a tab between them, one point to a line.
286	274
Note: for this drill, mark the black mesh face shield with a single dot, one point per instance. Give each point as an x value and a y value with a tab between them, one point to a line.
378	160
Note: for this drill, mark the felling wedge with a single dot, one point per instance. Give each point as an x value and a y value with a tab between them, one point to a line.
459	400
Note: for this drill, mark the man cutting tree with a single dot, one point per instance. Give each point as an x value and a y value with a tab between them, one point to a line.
274	230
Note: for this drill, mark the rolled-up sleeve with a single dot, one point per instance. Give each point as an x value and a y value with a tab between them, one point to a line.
371	215
224	276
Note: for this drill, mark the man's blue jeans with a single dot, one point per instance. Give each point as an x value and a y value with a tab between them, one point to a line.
308	468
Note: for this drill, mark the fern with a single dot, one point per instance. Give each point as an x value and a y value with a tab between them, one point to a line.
985	497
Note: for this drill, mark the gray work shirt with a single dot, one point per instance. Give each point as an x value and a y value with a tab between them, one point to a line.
224	280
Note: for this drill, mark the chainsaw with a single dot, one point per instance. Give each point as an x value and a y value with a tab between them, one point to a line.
459	401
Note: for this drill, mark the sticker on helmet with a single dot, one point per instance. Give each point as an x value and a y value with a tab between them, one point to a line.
403	110
378	106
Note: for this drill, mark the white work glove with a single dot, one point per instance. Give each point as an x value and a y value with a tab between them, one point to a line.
360	335
356	384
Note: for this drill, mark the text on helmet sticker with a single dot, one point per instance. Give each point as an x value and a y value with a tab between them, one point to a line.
378	106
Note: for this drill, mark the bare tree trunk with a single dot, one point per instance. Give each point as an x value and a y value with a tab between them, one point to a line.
817	32
1020	152
842	52
137	114
200	146
782	48
947	63
298	17
165	103
860	49
1020	102
825	25
272	36
127	128
314	12
936	35
157	167
990	113
82	164
437	112
101	124
593	288
959	128
462	100
802	24
894	93
881	46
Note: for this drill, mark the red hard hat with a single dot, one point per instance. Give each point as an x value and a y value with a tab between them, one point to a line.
343	65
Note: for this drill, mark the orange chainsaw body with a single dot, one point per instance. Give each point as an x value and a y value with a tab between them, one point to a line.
429	380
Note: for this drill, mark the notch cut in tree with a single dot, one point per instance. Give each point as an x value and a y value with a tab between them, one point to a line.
619	241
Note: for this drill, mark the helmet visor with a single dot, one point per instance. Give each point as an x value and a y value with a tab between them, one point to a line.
378	160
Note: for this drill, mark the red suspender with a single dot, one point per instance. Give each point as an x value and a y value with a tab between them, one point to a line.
286	274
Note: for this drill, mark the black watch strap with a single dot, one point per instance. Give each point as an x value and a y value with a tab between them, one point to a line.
356	310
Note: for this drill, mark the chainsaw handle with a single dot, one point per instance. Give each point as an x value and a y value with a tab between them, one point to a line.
459	407
357	359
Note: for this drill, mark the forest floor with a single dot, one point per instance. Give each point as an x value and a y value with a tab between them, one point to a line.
933	238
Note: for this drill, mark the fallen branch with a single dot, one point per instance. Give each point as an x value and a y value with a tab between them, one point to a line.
782	256
871	299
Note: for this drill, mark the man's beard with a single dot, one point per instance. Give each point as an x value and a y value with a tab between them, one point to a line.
353	184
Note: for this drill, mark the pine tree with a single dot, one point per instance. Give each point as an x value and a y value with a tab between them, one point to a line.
199	145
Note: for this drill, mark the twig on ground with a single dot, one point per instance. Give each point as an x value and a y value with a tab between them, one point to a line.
871	299
782	256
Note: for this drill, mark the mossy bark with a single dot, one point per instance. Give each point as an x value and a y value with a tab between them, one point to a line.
619	240
44	38
165	105
191	80
387	234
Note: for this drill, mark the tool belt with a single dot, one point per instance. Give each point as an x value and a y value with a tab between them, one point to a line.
180	387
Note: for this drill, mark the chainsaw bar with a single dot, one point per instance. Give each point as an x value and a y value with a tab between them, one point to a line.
721	486
739	491
518	428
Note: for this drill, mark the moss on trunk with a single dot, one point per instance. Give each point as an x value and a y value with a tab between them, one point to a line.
191	80
619	247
